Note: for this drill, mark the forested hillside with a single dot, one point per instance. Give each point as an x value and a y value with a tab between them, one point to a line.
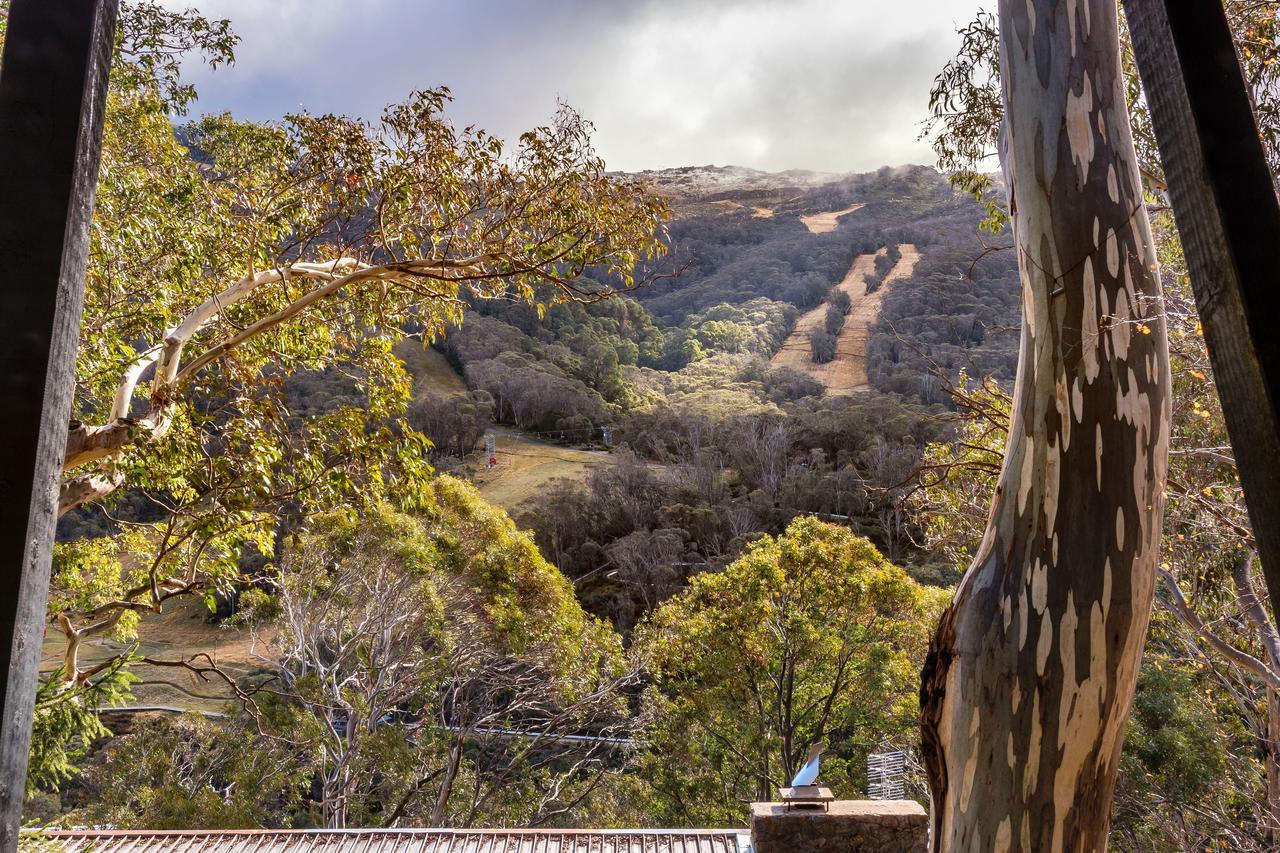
714	438
415	476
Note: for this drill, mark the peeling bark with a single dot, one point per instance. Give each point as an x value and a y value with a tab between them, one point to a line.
1031	675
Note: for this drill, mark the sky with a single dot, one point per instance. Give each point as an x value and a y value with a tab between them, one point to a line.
830	85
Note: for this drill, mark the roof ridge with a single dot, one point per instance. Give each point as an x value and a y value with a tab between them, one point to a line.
478	830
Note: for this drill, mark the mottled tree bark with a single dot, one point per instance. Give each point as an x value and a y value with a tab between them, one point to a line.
1031	674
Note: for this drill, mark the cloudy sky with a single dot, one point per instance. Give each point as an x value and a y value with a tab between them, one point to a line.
835	85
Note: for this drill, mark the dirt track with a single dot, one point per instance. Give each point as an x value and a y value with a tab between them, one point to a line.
431	371
848	371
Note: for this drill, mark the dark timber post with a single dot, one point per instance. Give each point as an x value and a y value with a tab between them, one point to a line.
53	84
1225	205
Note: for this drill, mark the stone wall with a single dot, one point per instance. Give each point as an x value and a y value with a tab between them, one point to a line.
849	826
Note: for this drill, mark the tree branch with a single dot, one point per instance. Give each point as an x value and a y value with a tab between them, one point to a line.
1177	604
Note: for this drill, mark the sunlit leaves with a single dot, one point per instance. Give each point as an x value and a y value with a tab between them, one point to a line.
806	637
231	453
957	477
152	42
65	722
966	111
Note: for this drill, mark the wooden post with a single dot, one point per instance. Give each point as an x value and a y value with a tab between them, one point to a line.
53	85
1225	205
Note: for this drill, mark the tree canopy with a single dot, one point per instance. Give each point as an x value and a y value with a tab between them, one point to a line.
810	636
230	259
400	653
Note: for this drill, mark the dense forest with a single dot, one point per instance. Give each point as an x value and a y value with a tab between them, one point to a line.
712	445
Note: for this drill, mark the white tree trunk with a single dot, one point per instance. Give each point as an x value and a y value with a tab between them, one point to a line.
1031	675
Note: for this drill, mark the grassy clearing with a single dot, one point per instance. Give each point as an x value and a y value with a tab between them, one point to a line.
431	371
183	629
526	467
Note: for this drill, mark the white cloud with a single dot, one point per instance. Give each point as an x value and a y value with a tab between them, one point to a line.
800	84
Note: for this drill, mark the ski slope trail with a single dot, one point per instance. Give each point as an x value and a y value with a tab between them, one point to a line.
825	223
847	372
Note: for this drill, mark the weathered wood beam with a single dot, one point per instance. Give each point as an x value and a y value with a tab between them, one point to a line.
53	84
1225	205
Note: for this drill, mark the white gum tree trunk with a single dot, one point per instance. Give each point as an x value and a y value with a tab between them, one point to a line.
1031	674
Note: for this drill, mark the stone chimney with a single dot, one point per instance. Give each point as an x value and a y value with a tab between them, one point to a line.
844	826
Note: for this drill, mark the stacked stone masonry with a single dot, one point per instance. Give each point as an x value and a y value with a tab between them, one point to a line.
849	826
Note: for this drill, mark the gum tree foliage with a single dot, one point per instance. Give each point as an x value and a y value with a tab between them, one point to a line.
833	320
407	648
883	265
455	422
810	636
65	724
841	301
966	110
725	448
184	771
822	345
621	324
402	650
231	257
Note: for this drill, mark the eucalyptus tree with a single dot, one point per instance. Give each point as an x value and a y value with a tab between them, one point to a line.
1031	674
275	246
230	260
1206	584
418	670
808	636
1211	624
436	669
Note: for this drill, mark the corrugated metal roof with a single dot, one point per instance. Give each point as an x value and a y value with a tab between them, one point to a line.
403	841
